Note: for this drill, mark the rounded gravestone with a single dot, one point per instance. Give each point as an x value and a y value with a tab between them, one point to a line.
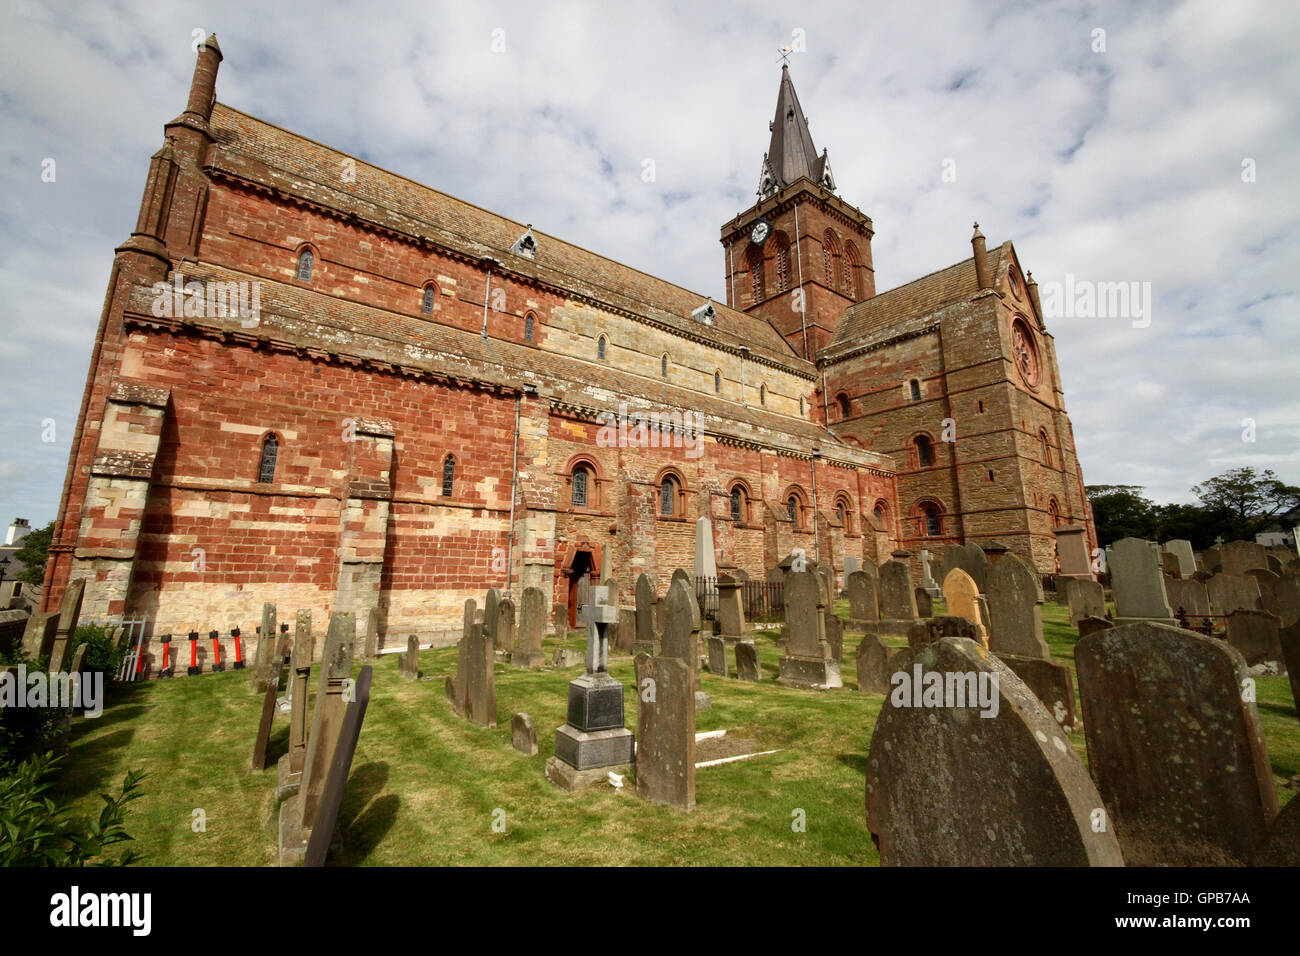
949	787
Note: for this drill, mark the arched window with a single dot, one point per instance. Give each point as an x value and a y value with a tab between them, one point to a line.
737	504
270	451
663	365
831	259
762	394
852	285
839	512
792	509
668	495
933	519
717	382
448	475
881	516
529	325
427	305
755	260
305	262
842	401
1054	512
924	451
782	262
915	387
1045	448
600	348
581	477
844	513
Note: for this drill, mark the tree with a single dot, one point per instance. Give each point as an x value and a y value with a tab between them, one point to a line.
1120	511
1245	500
34	552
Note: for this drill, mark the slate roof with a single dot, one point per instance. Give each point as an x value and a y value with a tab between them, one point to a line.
791	153
302	167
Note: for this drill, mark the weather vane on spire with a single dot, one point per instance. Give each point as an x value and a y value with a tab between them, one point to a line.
785	52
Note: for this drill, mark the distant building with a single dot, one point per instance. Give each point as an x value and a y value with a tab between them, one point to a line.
14	594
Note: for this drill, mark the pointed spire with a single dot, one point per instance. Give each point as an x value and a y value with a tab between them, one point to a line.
791	153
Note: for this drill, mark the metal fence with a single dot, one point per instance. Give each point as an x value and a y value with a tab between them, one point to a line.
762	600
133	661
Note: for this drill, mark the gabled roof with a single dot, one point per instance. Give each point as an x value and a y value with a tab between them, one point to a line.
312	171
897	310
791	153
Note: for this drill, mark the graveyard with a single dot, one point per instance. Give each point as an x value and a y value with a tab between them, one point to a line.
430	787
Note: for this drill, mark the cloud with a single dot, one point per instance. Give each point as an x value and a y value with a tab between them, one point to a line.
1117	166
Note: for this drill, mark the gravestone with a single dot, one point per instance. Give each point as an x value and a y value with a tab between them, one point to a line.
864	610
681	633
1087	599
717	648
505	634
1015	597
1137	582
1234	592
1289	638
971	558
807	662
706	565
1267	582
69	613
1256	634
593	738
532	625
1072	552
1062	594
1188	594
1181	549
924	633
1282	848
1091	625
927	575
961	597
1238	557
333	687
268	710
924	603
523	735
372	634
76	670
1051	683
289	769
475	683
731	610
645	616
851	564
938	790
747	666
1169	565
897	599
1211	560
665	755
659	624
454	684
835	638
626	630
873	666
491	609
1286	598
1178	757
39	634
266	648
409	661
340	766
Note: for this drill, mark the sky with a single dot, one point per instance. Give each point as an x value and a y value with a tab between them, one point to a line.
1149	143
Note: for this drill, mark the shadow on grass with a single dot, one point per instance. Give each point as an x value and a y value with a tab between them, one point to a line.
857	761
364	816
1281	710
110	716
94	772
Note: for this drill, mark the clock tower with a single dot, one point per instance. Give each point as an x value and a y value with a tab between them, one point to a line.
801	255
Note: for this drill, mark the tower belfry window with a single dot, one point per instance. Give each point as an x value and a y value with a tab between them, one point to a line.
270	451
305	263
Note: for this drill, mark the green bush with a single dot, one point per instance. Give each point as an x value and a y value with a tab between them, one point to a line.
101	656
35	831
26	730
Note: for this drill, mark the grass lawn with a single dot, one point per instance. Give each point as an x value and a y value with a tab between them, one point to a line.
426	785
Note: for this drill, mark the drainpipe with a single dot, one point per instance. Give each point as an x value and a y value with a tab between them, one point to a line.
731	273
744	351
817	540
487	291
514	488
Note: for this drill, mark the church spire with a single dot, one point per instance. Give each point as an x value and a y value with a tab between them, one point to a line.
791	153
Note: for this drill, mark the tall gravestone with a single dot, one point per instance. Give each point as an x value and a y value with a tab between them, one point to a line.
1178	756
961	597
1072	551
1138	582
267	637
808	659
731	610
971	559
864	610
646	631
1016	609
938	790
372	634
39	634
593	739
927	575
1188	595
69	613
896	597
665	753
505	633
298	813
1256	634
408	664
336	777
1286	598
491	609
475	683
1181	549
1233	592
532	625
706	565
681	633
1238	557
289	770
1289	637
873	665
924	603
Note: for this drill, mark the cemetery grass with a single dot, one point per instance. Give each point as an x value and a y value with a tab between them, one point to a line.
427	786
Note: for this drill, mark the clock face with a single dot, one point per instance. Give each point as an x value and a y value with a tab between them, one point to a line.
759	233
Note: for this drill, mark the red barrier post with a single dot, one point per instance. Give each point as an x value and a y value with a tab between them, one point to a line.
216	652
194	654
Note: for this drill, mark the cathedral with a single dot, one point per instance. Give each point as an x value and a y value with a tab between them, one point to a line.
320	384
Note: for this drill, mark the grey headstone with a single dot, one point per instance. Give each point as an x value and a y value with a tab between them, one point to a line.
1234	592
897	599
1256	634
717	648
873	665
524	734
665	756
863	606
1016	609
527	652
747	666
1137	581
